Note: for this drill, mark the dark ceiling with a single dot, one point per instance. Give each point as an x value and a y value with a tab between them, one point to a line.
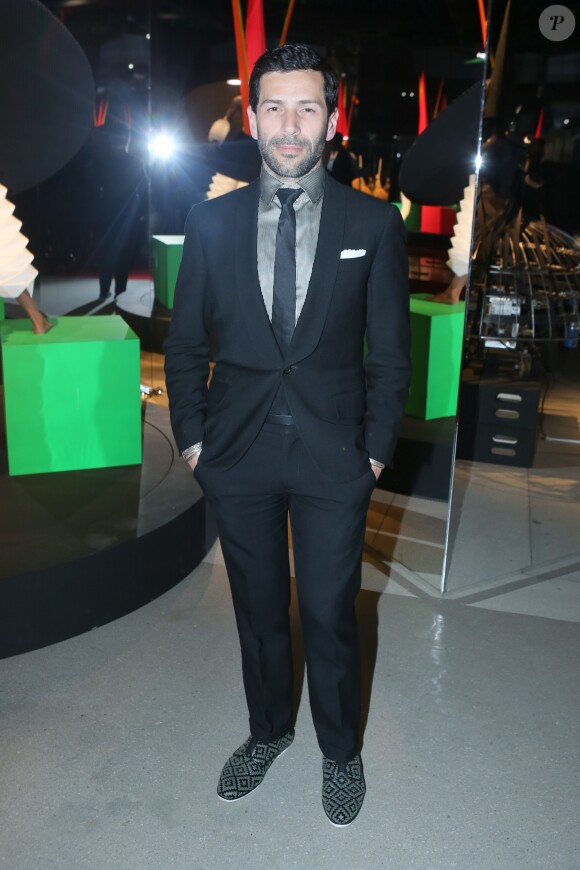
381	45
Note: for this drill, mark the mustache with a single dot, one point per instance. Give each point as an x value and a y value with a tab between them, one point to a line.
290	140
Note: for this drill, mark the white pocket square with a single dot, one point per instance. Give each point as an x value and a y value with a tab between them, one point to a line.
350	253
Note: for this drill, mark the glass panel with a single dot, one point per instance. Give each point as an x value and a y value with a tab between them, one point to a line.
166	68
515	509
74	105
407	525
381	61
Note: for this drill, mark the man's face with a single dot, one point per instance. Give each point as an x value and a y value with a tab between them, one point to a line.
291	123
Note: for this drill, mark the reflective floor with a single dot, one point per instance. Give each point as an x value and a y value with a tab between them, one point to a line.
516	548
111	743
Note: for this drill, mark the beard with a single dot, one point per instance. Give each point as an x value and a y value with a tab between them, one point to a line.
292	166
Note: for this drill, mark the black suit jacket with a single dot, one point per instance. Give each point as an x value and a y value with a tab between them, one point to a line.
345	410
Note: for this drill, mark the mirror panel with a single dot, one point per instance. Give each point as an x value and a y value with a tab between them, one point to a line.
65	216
516	490
163	67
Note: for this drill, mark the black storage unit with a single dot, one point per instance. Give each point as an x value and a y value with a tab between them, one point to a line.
497	420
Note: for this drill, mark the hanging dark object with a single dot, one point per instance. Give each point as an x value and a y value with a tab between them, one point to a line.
437	166
47	95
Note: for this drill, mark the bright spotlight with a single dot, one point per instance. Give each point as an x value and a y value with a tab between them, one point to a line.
162	146
478	161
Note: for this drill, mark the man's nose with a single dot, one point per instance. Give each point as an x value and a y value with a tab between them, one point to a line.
291	121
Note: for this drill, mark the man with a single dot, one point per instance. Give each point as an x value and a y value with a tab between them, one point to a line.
119	189
287	275
341	165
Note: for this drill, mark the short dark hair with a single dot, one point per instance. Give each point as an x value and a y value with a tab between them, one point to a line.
290	57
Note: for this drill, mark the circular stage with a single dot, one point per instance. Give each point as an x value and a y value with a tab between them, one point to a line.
83	548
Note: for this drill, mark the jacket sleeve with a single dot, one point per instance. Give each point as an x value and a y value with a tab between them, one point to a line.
387	364
187	347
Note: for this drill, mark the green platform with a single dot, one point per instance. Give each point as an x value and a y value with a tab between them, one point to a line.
2	312
71	396
167	252
436	347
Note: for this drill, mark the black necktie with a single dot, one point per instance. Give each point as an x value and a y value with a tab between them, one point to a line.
284	298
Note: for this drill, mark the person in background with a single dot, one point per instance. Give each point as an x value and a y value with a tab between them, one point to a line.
341	165
119	188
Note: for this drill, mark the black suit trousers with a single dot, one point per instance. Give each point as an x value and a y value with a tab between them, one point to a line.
252	500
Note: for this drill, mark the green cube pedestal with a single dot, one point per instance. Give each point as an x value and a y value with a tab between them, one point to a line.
436	347
167	252
72	395
2	311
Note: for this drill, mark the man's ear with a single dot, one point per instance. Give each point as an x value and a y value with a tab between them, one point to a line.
253	122
332	122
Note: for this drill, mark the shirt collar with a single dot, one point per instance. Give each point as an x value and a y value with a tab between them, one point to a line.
312	184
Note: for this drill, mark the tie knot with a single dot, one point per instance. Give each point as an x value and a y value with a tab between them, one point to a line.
288	195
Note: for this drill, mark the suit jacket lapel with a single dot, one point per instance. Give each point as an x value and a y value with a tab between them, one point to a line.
323	278
247	281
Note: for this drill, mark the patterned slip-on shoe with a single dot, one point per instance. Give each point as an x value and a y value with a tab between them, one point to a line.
247	767
343	790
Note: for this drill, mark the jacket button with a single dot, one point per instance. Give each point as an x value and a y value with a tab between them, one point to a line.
288	370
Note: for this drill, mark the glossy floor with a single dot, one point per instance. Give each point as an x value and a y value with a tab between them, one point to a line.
112	743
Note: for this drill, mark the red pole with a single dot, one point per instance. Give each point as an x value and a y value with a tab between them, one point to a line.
242	61
287	22
482	21
540	123
423	116
255	32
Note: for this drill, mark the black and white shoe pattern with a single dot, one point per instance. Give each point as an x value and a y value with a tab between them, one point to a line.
247	767
343	790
